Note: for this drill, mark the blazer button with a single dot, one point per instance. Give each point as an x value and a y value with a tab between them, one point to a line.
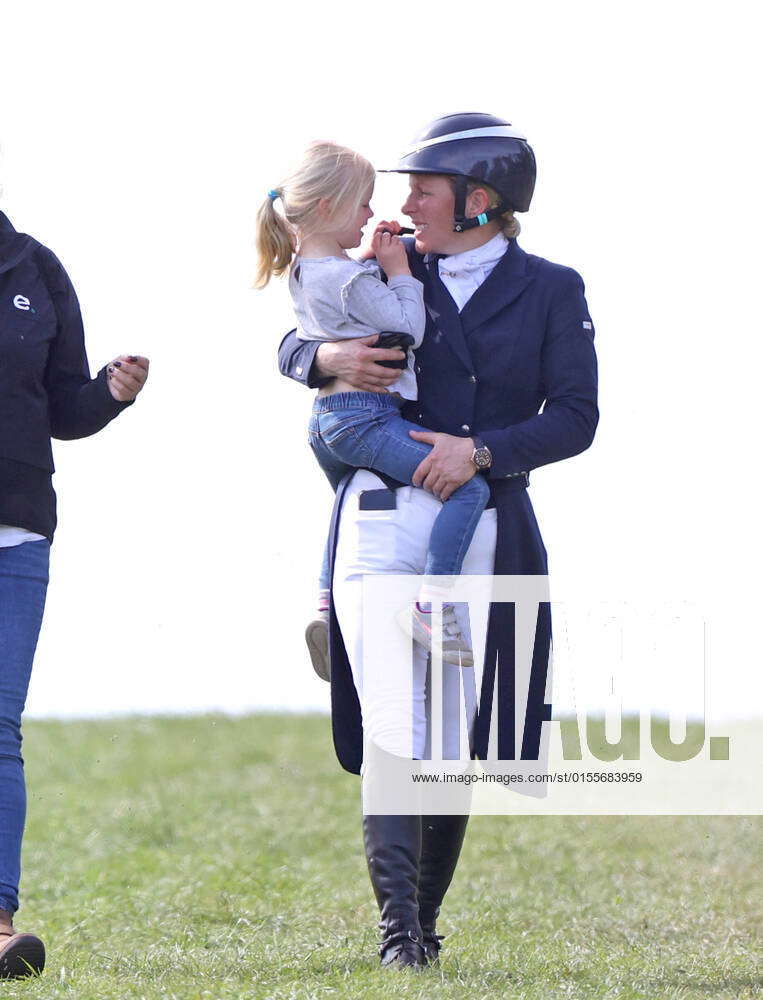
465	427
418	369
472	378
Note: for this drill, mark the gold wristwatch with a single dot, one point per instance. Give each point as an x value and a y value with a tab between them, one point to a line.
481	455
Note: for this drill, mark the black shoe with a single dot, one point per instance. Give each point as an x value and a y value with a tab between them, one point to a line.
402	949
393	847
441	840
432	946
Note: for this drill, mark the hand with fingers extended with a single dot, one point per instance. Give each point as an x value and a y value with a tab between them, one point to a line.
448	465
354	361
126	376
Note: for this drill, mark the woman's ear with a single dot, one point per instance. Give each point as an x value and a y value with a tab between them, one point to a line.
477	202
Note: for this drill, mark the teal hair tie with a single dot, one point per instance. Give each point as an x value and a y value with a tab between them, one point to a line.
482	219
274	194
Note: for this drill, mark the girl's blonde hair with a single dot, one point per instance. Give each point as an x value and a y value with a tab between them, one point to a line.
327	171
509	222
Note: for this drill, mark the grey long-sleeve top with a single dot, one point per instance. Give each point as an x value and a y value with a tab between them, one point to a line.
340	299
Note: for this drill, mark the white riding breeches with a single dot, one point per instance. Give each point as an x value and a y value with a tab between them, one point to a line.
395	542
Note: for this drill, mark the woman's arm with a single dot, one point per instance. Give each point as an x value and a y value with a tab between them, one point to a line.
568	421
564	428
314	362
78	405
297	360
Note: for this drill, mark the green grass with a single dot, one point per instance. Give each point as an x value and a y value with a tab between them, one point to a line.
221	858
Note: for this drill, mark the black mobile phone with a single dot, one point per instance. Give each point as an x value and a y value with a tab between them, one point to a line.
401	340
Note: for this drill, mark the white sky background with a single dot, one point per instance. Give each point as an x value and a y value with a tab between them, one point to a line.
138	140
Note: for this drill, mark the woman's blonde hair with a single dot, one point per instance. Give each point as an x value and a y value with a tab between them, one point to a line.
509	222
327	171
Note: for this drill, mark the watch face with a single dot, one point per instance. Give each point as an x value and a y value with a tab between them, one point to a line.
482	458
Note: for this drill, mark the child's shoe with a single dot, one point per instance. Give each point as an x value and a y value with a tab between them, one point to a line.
418	625
317	639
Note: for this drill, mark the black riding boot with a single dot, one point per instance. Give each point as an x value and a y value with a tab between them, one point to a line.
393	847
441	840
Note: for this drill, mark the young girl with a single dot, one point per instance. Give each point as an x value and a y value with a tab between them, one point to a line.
326	204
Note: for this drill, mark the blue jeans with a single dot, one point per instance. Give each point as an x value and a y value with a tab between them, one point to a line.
364	430
23	584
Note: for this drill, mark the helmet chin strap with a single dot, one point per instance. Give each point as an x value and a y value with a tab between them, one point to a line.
460	221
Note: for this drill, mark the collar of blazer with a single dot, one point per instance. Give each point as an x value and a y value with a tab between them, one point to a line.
503	285
13	246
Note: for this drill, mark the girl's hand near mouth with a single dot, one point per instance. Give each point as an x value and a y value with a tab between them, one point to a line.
390	253
385	226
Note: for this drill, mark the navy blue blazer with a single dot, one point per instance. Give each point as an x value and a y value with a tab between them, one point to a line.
516	367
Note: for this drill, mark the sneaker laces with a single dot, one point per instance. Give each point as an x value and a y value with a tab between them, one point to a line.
450	626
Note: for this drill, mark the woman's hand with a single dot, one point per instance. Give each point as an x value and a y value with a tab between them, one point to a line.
355	362
126	376
367	252
447	466
390	253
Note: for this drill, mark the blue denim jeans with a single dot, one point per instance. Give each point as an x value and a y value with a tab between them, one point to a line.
23	585
364	430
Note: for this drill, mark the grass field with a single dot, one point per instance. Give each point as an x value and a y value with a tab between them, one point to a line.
211	857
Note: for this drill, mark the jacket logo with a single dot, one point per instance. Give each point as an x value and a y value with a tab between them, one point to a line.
587	325
22	302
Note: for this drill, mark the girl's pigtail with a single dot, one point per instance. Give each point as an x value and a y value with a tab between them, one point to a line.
274	237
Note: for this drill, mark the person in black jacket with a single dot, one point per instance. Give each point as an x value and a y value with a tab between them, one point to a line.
45	391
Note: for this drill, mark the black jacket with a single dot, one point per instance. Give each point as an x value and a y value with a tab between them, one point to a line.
45	385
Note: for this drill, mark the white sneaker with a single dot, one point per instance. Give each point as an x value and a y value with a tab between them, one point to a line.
317	639
418	625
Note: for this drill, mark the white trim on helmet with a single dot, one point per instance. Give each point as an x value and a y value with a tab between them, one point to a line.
489	131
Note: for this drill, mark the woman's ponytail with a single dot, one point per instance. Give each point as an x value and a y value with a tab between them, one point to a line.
275	241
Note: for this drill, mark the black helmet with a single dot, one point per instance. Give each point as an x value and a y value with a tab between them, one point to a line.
475	147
